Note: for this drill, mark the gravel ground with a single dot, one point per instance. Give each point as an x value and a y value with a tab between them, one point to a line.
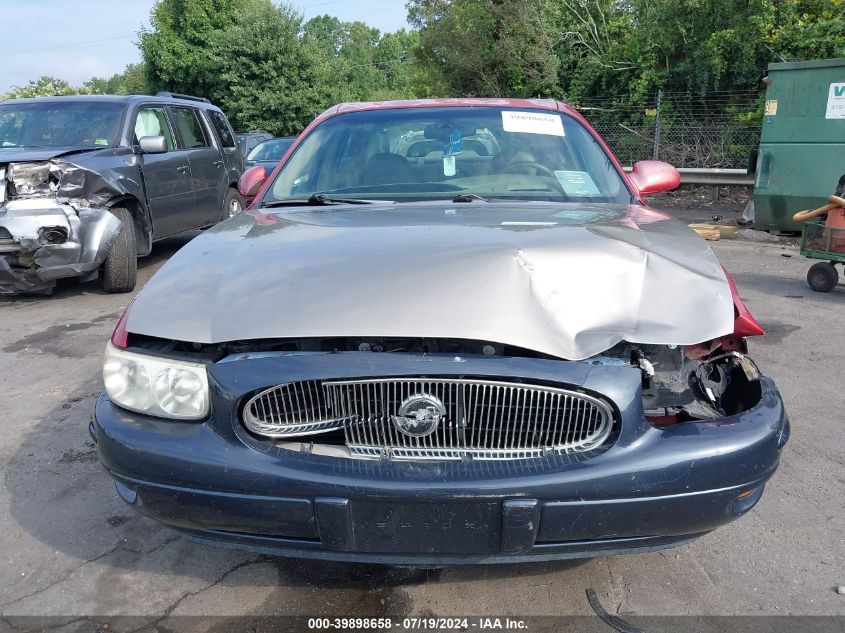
72	549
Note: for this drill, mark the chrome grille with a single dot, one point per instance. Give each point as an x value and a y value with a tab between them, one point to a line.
297	408
482	419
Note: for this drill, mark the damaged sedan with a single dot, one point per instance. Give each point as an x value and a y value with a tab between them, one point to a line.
447	331
87	184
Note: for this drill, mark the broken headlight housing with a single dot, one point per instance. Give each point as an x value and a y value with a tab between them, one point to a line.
160	387
30	179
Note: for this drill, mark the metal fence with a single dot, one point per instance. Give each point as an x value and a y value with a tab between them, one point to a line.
718	130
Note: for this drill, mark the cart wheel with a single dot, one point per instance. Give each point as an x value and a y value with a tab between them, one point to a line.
822	277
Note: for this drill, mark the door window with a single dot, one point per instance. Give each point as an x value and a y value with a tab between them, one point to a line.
152	121
190	129
221	125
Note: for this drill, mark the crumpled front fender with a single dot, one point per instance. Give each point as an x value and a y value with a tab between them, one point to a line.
32	262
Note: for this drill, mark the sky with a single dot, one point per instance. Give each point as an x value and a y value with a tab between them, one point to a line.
79	39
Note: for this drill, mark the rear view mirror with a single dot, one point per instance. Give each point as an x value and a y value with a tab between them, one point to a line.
153	144
251	180
654	176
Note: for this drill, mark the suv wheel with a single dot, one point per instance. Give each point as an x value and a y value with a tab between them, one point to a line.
232	204
121	266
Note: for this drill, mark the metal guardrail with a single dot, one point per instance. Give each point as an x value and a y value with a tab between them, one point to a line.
713	176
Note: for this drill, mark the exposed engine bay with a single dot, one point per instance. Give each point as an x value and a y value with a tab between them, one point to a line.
53	224
677	385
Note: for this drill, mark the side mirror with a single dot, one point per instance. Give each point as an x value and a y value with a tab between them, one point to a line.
251	180
654	176
153	144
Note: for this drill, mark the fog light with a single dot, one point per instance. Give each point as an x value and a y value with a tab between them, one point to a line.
52	235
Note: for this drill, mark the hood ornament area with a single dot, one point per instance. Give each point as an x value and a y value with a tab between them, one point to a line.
419	415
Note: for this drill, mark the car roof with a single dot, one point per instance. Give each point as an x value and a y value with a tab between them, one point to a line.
114	99
535	104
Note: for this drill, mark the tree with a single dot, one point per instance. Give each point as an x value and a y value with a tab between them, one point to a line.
617	49
394	58
45	86
368	64
803	29
264	75
132	81
176	49
486	47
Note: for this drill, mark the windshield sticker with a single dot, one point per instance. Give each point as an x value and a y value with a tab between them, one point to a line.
449	166
532	123
577	183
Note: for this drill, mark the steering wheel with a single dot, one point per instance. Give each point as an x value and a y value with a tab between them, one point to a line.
529	163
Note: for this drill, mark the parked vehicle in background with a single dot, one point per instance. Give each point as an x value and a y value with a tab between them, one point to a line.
248	140
88	183
269	153
448	331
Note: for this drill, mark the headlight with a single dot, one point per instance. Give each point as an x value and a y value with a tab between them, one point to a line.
156	386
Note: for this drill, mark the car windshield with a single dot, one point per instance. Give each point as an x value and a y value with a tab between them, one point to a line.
270	150
59	123
435	153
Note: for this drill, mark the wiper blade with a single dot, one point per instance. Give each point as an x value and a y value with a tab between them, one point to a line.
321	199
316	200
468	197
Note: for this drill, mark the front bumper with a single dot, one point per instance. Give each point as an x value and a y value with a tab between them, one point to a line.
28	263
653	488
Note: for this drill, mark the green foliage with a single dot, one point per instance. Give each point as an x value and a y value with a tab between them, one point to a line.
486	47
265	76
132	81
45	87
265	67
176	48
269	68
623	49
366	63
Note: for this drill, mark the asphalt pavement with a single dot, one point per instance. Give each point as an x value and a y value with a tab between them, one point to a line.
73	551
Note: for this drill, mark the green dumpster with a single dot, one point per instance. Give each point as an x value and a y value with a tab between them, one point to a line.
802	143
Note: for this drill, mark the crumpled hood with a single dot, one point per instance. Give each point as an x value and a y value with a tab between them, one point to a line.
563	279
33	154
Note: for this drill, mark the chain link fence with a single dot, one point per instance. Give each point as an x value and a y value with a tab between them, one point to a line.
714	131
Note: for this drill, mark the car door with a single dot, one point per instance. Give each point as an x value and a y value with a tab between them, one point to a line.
207	173
167	176
233	160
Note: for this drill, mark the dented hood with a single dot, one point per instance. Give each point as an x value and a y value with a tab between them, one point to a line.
563	279
32	154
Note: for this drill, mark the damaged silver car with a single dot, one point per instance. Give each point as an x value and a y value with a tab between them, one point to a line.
446	332
87	184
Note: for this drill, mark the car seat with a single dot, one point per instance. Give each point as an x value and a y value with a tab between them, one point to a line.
385	168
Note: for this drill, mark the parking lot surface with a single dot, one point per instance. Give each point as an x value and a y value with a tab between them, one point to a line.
71	548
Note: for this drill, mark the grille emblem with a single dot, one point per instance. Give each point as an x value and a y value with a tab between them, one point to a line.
419	415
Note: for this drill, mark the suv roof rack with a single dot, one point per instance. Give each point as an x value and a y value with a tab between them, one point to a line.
176	95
